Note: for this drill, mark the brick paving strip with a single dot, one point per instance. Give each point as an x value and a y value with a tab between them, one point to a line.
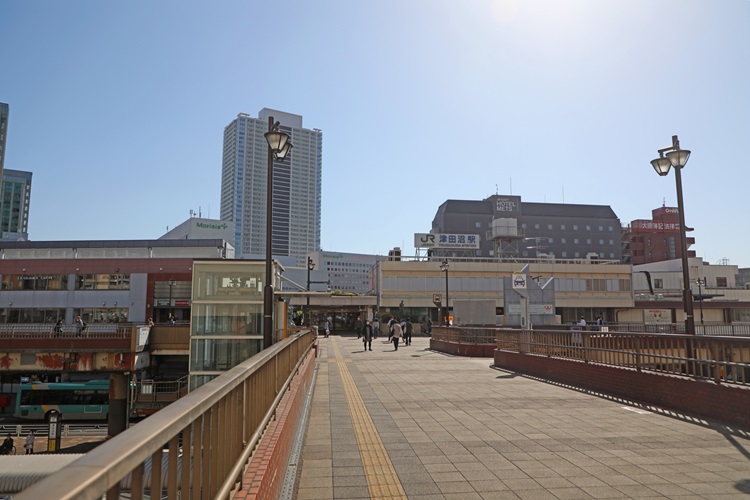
382	480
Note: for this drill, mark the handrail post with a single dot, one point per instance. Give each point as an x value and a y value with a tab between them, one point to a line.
637	345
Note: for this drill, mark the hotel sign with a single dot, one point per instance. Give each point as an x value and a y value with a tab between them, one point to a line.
442	240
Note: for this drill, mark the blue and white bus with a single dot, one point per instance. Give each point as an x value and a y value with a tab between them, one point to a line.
74	400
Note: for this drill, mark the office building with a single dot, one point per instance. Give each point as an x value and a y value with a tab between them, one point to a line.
658	239
4	112
14	205
296	186
505	227
347	272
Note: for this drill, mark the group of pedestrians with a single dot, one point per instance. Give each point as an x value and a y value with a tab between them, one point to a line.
398	330
79	324
368	330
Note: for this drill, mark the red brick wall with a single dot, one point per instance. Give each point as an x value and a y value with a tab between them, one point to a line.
264	476
722	402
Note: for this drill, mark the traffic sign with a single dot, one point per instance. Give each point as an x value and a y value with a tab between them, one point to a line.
519	281
437	298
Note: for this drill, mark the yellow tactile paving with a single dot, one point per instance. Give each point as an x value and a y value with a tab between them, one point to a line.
382	480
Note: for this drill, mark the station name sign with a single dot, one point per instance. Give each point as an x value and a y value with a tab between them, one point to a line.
442	240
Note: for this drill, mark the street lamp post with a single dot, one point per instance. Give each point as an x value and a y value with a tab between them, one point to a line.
677	158
701	283
172	283
310	267
278	147
444	267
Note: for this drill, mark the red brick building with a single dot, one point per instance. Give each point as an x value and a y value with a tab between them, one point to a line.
658	239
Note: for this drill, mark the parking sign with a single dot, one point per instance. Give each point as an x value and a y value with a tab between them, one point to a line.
519	281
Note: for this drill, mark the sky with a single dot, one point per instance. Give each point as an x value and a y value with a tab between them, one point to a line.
118	108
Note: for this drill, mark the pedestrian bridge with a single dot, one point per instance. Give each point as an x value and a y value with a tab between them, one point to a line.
421	423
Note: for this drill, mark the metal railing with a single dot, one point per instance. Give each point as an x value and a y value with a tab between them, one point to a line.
47	330
723	359
709	329
465	335
194	448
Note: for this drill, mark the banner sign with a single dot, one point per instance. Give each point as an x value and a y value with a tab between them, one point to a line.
442	240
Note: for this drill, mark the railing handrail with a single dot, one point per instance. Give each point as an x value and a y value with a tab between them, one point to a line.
103	468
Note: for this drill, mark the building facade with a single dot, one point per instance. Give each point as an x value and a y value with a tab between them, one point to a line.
15	201
4	112
296	186
347	272
101	281
505	227
657	239
198	228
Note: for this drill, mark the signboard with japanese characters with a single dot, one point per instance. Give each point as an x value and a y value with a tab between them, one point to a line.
442	240
655	226
657	316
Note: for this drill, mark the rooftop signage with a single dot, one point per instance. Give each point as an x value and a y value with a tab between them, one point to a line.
442	240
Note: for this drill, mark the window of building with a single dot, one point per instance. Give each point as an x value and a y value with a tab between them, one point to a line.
35	282
721	282
658	283
103	282
562	227
549	226
575	227
536	226
588	228
575	241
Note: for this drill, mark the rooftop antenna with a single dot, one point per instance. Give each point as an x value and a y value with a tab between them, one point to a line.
199	212
497	190
191	213
664	202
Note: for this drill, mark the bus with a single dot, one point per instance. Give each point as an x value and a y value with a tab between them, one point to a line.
74	400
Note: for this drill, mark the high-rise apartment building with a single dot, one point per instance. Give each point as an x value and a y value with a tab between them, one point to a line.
4	111
15	200
296	186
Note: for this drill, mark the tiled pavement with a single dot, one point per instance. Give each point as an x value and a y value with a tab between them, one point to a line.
419	424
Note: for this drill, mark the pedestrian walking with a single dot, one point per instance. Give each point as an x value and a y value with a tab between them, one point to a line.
367	335
397	334
391	322
375	328
80	326
327	328
408	329
358	326
58	327
29	444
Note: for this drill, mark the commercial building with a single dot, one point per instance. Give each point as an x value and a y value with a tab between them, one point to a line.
4	112
505	227
657	239
101	281
296	186
347	272
15	201
198	228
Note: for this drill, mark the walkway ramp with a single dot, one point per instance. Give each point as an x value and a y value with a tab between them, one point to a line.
418	424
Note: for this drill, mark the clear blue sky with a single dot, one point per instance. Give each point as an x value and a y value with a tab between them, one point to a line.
118	108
